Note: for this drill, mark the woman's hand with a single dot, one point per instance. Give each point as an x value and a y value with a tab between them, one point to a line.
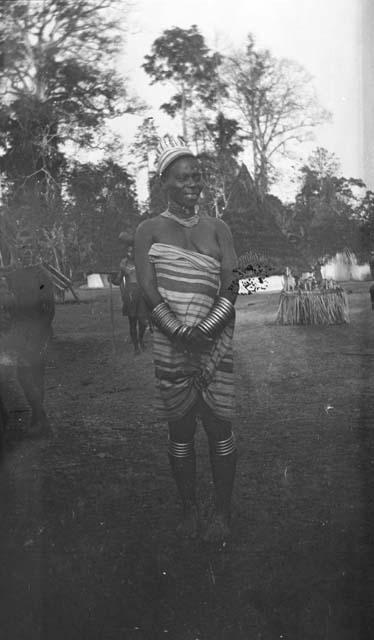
195	340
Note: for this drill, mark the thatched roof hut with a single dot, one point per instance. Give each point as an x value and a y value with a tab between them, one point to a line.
255	225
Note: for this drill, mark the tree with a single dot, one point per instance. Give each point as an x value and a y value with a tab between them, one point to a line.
157	198
275	104
181	57
144	150
365	216
323	163
219	163
58	85
102	204
7	239
254	227
145	142
327	210
61	53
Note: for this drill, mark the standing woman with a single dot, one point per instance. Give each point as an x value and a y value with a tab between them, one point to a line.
133	303
371	265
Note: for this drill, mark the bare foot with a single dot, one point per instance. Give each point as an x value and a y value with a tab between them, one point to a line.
218	529
189	526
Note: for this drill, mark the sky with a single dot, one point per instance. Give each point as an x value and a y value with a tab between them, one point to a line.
321	35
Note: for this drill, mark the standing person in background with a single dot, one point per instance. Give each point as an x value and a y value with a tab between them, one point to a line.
371	265
317	273
185	265
133	303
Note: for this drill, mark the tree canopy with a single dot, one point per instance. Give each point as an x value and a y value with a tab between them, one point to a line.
254	226
275	103
219	163
59	86
329	209
102	204
182	58
271	99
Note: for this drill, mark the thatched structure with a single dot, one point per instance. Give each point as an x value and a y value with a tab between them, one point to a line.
315	307
255	225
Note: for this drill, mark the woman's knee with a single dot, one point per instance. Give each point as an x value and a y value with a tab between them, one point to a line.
216	428
183	430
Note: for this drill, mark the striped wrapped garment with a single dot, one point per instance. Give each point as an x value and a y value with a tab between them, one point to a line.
189	282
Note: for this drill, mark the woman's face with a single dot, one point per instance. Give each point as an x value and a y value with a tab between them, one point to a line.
130	252
183	182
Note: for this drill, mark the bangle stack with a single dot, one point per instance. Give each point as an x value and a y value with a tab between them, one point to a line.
164	319
218	317
183	331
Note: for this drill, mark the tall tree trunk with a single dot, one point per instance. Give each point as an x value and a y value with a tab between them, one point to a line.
55	255
216	208
263	179
184	113
256	168
148	168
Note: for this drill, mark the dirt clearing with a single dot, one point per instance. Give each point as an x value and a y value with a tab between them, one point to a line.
88	517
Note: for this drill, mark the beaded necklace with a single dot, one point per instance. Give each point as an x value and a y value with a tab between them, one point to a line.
192	221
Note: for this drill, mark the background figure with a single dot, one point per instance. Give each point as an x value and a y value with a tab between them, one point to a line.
317	273
26	314
371	264
133	303
289	282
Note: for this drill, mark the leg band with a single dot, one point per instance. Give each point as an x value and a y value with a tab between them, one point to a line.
224	447
180	449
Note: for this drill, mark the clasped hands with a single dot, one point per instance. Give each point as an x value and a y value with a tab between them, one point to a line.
192	339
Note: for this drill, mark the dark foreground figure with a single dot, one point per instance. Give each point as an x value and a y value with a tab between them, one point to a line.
185	266
26	315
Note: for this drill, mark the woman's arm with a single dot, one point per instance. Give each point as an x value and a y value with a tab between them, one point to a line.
145	272
229	263
222	311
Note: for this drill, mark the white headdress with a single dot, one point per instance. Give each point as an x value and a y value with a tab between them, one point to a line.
170	149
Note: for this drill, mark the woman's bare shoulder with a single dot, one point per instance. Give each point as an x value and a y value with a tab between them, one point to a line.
219	226
150	224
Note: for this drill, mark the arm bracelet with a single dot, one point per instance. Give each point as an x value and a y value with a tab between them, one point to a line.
165	319
183	332
221	312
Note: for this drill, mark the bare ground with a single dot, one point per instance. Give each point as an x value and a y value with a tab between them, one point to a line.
88	517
